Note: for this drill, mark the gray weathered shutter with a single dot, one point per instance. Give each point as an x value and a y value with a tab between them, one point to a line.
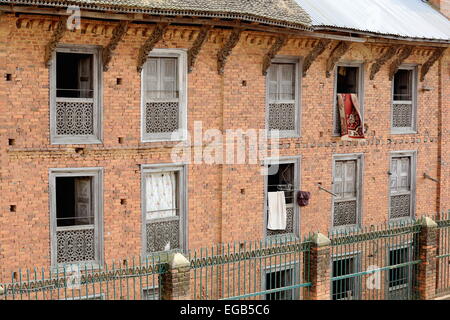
169	78
85	77
338	179
152	78
273	82
83	205
286	83
350	179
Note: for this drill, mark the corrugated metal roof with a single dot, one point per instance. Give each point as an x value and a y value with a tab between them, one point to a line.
402	18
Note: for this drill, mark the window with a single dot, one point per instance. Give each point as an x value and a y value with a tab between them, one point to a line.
76	216
347	288
399	278
283	179
347	177
402	185
279	278
75	97
150	293
349	80
164	208
283	97
404	100
164	94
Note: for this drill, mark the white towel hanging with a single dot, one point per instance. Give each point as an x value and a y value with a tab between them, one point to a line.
277	211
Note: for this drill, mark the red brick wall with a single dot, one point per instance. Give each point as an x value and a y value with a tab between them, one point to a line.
218	211
442	5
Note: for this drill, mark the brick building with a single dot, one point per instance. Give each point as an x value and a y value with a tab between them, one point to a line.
88	116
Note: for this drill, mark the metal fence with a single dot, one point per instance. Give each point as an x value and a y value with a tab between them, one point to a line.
275	269
443	255
375	263
129	279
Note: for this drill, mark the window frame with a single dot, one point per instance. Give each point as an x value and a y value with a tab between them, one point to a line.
298	61
414	96
357	256
296	160
295	269
181	134
361	91
409	245
97	195
359	157
181	168
413	169
97	137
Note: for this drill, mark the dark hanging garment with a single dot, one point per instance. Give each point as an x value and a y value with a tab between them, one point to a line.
303	198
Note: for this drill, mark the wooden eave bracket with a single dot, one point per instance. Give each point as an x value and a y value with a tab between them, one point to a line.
118	34
403	54
437	54
58	33
149	44
318	49
224	53
341	48
385	57
194	51
279	43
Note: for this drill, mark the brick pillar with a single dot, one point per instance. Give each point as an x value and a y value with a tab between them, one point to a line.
426	277
175	282
319	268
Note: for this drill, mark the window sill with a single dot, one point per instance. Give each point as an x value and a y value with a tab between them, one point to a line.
160	256
341	230
75	140
403	220
64	268
405	132
282	238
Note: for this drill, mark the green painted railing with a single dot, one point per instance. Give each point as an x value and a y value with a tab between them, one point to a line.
375	263
443	254
277	268
131	279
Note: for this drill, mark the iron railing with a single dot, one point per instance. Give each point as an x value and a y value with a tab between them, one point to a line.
129	279
375	263
274	269
443	254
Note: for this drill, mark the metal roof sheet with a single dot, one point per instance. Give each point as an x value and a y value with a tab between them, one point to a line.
402	18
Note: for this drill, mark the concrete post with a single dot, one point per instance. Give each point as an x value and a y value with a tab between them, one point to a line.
175	282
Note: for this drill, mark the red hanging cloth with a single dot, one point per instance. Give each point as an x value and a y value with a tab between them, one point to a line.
350	117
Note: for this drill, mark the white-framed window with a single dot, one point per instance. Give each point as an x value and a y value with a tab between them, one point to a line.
349	79
347	186
76	210
151	293
164	208
164	96
402	184
283	97
75	95
282	178
404	100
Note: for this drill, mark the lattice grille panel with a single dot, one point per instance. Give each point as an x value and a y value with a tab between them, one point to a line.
345	213
161	117
400	206
282	116
75	245
163	236
289	224
402	116
75	118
